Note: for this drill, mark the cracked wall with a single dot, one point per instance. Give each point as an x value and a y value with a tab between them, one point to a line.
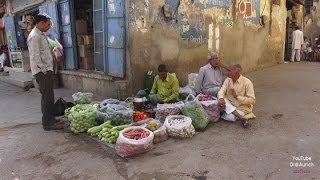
181	33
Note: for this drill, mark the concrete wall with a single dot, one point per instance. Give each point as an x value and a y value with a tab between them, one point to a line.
312	22
198	26
99	84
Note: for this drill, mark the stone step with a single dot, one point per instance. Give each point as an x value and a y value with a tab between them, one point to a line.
21	75
20	82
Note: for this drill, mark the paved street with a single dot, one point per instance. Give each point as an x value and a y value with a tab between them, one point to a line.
288	124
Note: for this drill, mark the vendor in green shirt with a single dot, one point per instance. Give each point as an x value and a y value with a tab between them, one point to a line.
165	87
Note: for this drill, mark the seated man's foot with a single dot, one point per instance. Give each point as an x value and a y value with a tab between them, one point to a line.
56	126
217	120
244	122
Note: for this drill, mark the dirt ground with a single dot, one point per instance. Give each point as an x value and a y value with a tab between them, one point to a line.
288	125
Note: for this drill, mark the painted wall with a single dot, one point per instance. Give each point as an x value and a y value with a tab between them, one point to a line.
196	26
181	32
312	22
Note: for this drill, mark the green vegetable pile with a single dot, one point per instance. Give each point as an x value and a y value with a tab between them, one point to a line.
106	132
120	119
67	112
82	117
195	111
82	98
102	114
119	114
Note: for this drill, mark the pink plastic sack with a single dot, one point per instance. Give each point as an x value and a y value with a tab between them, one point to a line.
126	147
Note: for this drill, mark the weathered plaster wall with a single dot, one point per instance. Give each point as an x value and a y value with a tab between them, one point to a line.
199	26
312	22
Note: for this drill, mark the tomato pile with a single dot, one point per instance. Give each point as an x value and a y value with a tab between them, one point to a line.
136	134
205	98
139	116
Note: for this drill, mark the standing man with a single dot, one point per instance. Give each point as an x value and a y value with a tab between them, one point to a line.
236	97
41	61
297	41
211	76
165	87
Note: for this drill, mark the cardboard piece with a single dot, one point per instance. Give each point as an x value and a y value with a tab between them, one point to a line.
81	26
85	39
87	63
86	51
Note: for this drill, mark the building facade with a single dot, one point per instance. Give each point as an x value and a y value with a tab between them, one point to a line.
131	37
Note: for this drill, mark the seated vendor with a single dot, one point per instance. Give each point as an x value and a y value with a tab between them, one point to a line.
165	87
236	97
211	76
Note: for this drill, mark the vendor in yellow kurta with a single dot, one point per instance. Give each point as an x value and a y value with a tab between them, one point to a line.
165	87
237	97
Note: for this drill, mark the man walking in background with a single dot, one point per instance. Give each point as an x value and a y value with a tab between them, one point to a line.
41	61
297	41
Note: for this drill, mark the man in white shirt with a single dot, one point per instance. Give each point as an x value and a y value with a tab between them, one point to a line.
41	61
297	41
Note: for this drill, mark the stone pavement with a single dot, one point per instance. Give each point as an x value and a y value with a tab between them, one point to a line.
288	125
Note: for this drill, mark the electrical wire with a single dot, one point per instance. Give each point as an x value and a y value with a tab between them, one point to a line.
265	3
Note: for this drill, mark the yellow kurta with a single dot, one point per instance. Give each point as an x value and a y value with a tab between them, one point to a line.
244	89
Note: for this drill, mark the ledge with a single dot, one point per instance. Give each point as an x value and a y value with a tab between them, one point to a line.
87	74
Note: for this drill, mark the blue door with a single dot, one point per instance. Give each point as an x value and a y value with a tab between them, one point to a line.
109	31
115	38
99	36
68	35
50	8
10	32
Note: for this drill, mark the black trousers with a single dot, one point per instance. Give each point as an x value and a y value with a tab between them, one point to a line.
45	82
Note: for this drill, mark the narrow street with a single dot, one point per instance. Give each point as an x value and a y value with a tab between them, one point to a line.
287	125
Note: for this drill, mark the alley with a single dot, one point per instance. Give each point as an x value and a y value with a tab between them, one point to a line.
288	125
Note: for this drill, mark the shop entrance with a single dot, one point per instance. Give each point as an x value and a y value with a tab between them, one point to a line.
84	32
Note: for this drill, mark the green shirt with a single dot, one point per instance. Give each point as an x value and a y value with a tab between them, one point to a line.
167	89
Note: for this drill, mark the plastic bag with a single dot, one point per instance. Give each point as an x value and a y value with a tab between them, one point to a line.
207	100
187	90
102	114
82	117
155	98
213	112
105	102
196	112
148	80
142	122
119	114
60	106
142	93
179	126
160	135
164	110
126	147
192	79
82	98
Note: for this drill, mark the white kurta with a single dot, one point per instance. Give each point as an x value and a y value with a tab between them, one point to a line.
297	39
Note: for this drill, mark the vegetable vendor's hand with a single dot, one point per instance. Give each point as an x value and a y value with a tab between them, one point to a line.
222	103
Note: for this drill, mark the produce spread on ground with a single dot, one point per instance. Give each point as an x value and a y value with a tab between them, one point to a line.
135	129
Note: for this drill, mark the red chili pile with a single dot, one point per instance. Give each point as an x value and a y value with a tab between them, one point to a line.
205	98
136	134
